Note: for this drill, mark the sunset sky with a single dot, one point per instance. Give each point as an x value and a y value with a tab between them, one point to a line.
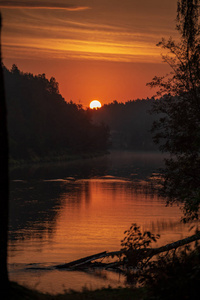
96	49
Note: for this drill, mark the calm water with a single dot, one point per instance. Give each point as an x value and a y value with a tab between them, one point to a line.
62	212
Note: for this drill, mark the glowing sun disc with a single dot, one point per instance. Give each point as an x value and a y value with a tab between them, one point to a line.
95	104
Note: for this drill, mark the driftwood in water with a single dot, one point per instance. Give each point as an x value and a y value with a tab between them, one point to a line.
79	262
139	254
175	245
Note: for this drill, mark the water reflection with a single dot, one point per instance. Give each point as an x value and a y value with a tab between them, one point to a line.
60	213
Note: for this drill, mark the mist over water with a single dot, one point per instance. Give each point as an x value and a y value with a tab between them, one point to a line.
62	212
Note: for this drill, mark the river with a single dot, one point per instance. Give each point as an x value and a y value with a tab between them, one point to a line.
65	211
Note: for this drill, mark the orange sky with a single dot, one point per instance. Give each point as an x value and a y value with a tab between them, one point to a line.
96	49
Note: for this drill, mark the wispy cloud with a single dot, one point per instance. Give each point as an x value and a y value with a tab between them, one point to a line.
40	5
96	34
80	49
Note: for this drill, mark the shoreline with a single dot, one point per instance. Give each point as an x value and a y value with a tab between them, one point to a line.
20	163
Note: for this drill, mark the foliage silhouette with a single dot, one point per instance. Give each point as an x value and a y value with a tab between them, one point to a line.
178	129
135	239
174	276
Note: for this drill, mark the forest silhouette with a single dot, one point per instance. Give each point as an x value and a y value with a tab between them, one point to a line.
130	124
42	125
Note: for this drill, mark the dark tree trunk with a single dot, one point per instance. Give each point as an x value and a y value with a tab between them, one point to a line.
4	189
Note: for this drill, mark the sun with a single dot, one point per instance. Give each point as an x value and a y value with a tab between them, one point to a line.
95	104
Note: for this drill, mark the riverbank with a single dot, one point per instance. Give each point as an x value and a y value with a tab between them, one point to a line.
18	292
54	158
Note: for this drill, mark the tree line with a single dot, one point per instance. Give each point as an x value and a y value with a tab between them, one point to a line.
41	123
130	124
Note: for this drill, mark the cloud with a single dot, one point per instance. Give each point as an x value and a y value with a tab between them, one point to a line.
41	5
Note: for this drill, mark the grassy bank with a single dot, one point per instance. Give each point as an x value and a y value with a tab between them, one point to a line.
18	292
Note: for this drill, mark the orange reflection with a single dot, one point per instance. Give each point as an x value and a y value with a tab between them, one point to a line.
93	215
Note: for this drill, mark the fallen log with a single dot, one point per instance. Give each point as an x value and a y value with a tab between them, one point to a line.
140	254
148	253
79	262
175	245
